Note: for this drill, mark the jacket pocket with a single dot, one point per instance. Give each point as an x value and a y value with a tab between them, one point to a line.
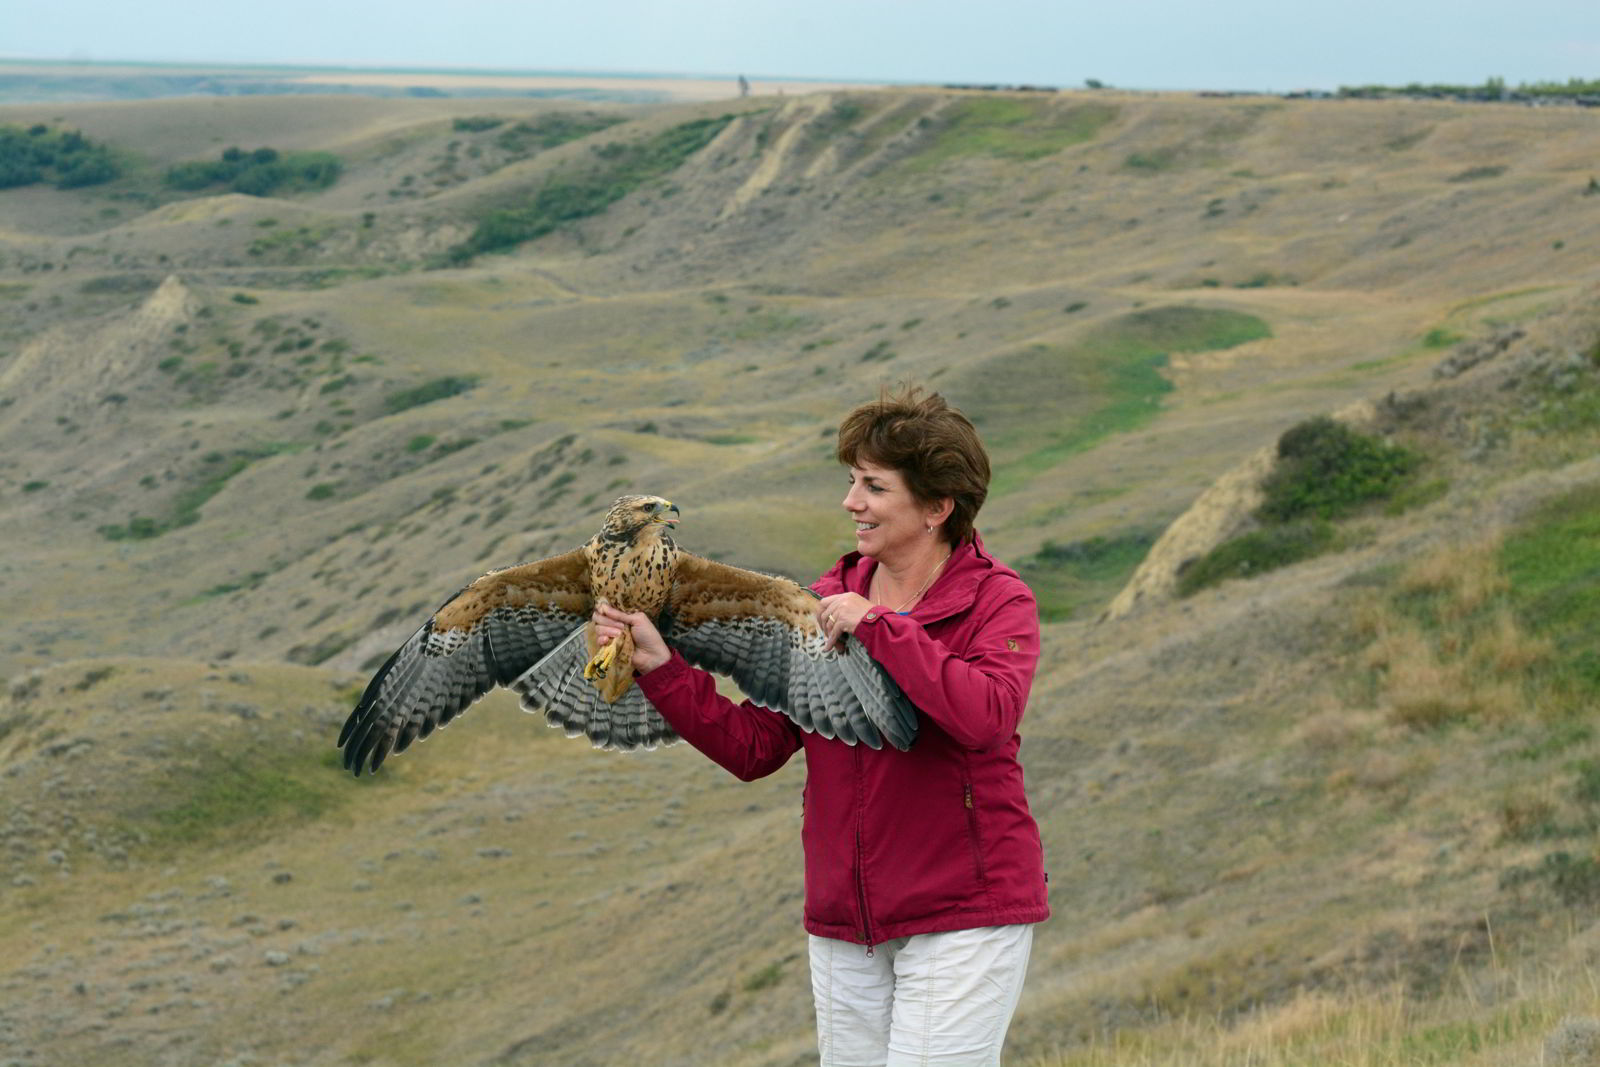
974	837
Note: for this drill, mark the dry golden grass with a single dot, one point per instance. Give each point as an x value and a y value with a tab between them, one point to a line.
1465	576
1501	1018
1466	656
1505	648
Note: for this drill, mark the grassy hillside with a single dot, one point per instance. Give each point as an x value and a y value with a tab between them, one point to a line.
247	443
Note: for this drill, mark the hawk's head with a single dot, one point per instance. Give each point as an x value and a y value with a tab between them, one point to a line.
630	514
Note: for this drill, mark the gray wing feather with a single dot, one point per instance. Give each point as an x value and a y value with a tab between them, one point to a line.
874	688
841	694
433	677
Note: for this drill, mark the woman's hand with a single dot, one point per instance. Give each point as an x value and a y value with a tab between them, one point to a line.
649	649
839	615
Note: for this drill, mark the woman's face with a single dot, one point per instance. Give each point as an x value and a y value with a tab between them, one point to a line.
888	518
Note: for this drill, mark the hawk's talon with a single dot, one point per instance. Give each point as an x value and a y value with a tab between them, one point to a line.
600	665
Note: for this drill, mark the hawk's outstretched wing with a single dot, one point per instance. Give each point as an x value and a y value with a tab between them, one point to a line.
486	635
762	632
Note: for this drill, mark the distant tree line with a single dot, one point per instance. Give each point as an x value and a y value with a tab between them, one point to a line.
261	172
1577	89
65	157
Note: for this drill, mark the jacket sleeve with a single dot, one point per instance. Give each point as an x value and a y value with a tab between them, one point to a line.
749	741
978	695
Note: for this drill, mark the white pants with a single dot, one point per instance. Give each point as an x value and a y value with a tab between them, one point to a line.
942	999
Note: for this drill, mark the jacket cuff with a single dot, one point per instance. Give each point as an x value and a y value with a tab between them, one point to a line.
663	677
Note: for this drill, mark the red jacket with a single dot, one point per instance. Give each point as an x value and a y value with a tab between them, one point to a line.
901	843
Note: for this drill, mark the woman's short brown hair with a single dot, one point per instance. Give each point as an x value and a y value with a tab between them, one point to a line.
933	446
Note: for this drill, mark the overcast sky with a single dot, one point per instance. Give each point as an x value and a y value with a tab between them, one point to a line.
1148	44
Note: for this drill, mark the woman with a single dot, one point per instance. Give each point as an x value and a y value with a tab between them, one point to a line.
924	871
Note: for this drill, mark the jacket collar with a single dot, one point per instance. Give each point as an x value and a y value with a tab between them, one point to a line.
954	591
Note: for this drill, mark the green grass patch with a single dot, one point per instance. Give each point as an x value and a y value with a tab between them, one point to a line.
221	796
1155	161
186	508
290	242
1553	565
1476	174
759	324
1110	381
219	469
476	123
1068	580
1414	494
548	131
1257	552
618	169
1007	128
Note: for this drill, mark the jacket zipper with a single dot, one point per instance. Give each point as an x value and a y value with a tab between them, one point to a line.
861	861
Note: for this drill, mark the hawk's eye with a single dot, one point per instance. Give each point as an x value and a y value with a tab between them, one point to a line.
651	507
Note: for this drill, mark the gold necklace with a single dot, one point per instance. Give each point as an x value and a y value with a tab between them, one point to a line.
925	585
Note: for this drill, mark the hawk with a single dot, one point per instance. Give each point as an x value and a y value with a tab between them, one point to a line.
528	628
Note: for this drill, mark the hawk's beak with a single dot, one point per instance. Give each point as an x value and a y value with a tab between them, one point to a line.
662	516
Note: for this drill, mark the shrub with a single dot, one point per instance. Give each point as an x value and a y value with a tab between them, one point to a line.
1326	470
1150	162
39	153
262	172
428	392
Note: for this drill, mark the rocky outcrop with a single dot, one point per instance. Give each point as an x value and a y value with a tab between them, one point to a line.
78	368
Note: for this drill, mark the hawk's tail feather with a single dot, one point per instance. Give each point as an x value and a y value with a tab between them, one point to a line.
556	688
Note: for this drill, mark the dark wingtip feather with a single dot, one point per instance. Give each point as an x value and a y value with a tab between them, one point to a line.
363	709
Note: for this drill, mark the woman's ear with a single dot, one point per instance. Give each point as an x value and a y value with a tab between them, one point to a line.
937	515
